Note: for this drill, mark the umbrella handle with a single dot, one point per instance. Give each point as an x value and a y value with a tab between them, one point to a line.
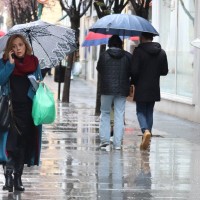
29	37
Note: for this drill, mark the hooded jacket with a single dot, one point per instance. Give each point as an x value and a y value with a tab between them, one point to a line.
114	67
149	63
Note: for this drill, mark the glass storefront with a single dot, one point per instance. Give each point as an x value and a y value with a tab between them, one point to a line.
176	33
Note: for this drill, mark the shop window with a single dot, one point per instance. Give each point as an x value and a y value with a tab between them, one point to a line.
176	33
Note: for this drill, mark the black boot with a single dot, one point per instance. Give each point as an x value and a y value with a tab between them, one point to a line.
17	178
8	170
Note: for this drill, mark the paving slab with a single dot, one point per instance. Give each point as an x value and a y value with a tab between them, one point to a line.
73	167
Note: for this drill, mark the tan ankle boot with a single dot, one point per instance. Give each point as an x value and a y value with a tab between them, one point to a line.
145	140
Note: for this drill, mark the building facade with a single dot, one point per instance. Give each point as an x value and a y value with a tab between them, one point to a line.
177	23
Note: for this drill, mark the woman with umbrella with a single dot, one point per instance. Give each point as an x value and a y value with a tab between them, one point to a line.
23	137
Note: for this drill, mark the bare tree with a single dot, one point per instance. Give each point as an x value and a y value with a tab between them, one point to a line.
141	7
74	10
21	11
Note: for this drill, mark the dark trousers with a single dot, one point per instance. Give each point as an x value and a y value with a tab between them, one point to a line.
144	112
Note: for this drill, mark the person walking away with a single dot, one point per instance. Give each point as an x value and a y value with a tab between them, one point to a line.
23	137
114	67
149	63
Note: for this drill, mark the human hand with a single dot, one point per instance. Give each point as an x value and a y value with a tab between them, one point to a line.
11	57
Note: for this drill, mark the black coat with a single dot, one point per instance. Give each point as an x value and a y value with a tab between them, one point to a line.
114	67
149	63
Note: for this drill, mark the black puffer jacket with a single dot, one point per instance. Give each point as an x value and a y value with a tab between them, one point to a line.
114	67
149	63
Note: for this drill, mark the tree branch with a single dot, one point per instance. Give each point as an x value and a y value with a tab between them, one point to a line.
79	6
66	8
187	12
86	9
118	7
134	4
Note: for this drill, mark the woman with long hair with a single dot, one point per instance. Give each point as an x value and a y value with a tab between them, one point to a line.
23	138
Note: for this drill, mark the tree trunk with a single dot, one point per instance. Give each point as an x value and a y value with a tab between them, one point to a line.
98	98
75	24
66	88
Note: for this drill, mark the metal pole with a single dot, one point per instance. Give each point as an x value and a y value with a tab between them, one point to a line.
59	81
59	90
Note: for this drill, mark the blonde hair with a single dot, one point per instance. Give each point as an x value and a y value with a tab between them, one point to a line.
9	45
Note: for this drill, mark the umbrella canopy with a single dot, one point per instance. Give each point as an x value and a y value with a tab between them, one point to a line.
123	24
134	38
51	43
1	33
196	43
94	39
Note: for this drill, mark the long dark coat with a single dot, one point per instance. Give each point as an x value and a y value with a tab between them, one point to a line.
34	156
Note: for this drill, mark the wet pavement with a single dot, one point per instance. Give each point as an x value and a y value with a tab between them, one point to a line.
73	167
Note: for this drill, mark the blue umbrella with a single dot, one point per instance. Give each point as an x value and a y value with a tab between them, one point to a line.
123	24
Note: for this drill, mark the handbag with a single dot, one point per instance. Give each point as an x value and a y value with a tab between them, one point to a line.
4	112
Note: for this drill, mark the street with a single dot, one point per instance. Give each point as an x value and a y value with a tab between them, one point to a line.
73	167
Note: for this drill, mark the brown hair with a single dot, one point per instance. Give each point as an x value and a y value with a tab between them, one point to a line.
9	44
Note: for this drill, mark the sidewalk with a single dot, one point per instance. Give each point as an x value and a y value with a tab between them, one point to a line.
73	167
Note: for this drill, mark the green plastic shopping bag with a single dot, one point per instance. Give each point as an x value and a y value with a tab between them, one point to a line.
43	111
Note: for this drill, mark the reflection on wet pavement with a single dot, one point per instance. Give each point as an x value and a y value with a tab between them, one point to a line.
72	166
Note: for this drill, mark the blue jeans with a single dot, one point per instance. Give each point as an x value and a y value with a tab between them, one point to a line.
144	112
119	109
